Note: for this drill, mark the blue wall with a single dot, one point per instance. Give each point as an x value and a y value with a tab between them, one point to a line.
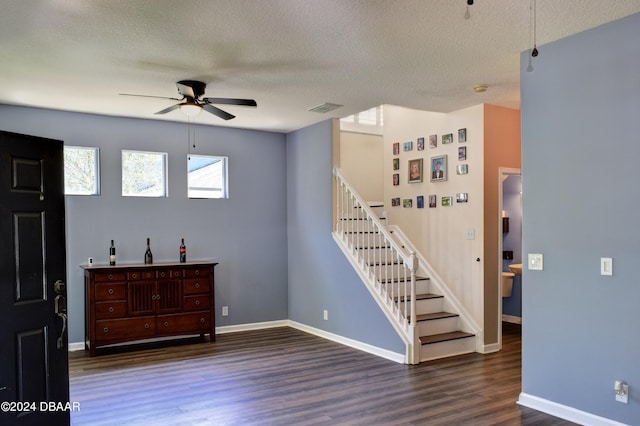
320	277
246	233
512	240
581	148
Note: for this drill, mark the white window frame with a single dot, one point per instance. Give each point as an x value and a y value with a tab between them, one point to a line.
200	189
95	166
164	192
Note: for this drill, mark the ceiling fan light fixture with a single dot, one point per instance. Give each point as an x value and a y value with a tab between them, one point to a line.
190	109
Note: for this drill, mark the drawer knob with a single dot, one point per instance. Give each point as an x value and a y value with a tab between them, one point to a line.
106	329
111	309
110	291
197	272
110	277
166	324
162	274
197	301
146	326
197	285
202	320
134	275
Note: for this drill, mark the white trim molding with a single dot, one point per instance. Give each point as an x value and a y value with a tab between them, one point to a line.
565	412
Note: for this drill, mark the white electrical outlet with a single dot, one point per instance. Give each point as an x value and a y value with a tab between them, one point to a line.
622	391
536	262
325	315
225	311
606	266
471	233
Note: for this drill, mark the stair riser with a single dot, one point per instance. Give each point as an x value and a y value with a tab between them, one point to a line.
357	226
368	239
427	306
376	255
446	349
422	287
438	326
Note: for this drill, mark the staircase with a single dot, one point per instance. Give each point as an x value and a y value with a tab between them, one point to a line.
424	314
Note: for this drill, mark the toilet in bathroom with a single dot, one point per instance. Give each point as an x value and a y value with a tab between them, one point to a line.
507	283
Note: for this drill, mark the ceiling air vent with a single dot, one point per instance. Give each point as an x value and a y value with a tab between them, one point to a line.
324	108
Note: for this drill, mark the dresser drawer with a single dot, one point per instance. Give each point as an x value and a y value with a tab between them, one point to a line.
109	277
197	303
111	291
196	272
164	274
106	310
196	285
125	328
197	322
141	275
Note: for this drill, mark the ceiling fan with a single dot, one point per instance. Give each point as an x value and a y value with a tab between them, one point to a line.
192	103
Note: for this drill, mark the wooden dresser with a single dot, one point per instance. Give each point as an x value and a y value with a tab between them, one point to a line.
125	303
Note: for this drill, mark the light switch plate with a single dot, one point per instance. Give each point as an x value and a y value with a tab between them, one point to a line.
606	266
471	233
536	262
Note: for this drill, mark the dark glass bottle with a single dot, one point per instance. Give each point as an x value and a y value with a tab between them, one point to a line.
183	252
112	254
148	257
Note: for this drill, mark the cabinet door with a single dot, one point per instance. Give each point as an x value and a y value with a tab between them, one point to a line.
169	296
142	297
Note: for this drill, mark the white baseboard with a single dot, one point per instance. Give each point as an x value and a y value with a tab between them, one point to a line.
393	356
565	412
488	349
511	319
251	326
374	350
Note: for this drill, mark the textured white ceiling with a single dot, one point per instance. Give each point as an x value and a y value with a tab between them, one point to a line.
288	55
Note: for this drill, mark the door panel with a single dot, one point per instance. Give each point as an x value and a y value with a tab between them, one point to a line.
33	348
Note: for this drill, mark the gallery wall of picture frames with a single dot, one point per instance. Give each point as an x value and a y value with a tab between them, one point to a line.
437	171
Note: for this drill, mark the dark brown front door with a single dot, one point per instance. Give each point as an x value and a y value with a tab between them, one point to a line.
34	378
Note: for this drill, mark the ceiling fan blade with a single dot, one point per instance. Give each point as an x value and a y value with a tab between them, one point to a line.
230	101
148	96
171	108
218	112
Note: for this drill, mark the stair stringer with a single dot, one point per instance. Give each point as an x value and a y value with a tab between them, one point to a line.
389	308
451	302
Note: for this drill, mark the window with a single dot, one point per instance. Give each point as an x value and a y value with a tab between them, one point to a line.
369	121
81	171
144	174
207	177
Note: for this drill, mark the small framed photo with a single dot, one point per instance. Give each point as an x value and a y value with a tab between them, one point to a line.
407	202
448	138
462	197
446	201
462	169
433	141
415	170
395	202
433	201
408	146
420	201
396	179
396	148
462	153
439	168
420	144
396	164
462	135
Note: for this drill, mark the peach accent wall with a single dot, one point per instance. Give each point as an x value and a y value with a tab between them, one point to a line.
502	148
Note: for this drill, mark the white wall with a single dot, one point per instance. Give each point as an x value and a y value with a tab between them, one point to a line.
440	233
361	161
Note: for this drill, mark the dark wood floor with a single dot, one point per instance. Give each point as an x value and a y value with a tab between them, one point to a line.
283	376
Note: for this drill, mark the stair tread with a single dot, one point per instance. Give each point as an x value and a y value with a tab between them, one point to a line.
443	337
435	315
423	296
395	280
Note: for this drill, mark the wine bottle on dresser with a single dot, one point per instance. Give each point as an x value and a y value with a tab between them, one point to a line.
183	252
112	254
148	257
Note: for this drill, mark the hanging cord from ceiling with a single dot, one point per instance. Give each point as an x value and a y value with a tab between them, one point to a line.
534	52
191	136
467	15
